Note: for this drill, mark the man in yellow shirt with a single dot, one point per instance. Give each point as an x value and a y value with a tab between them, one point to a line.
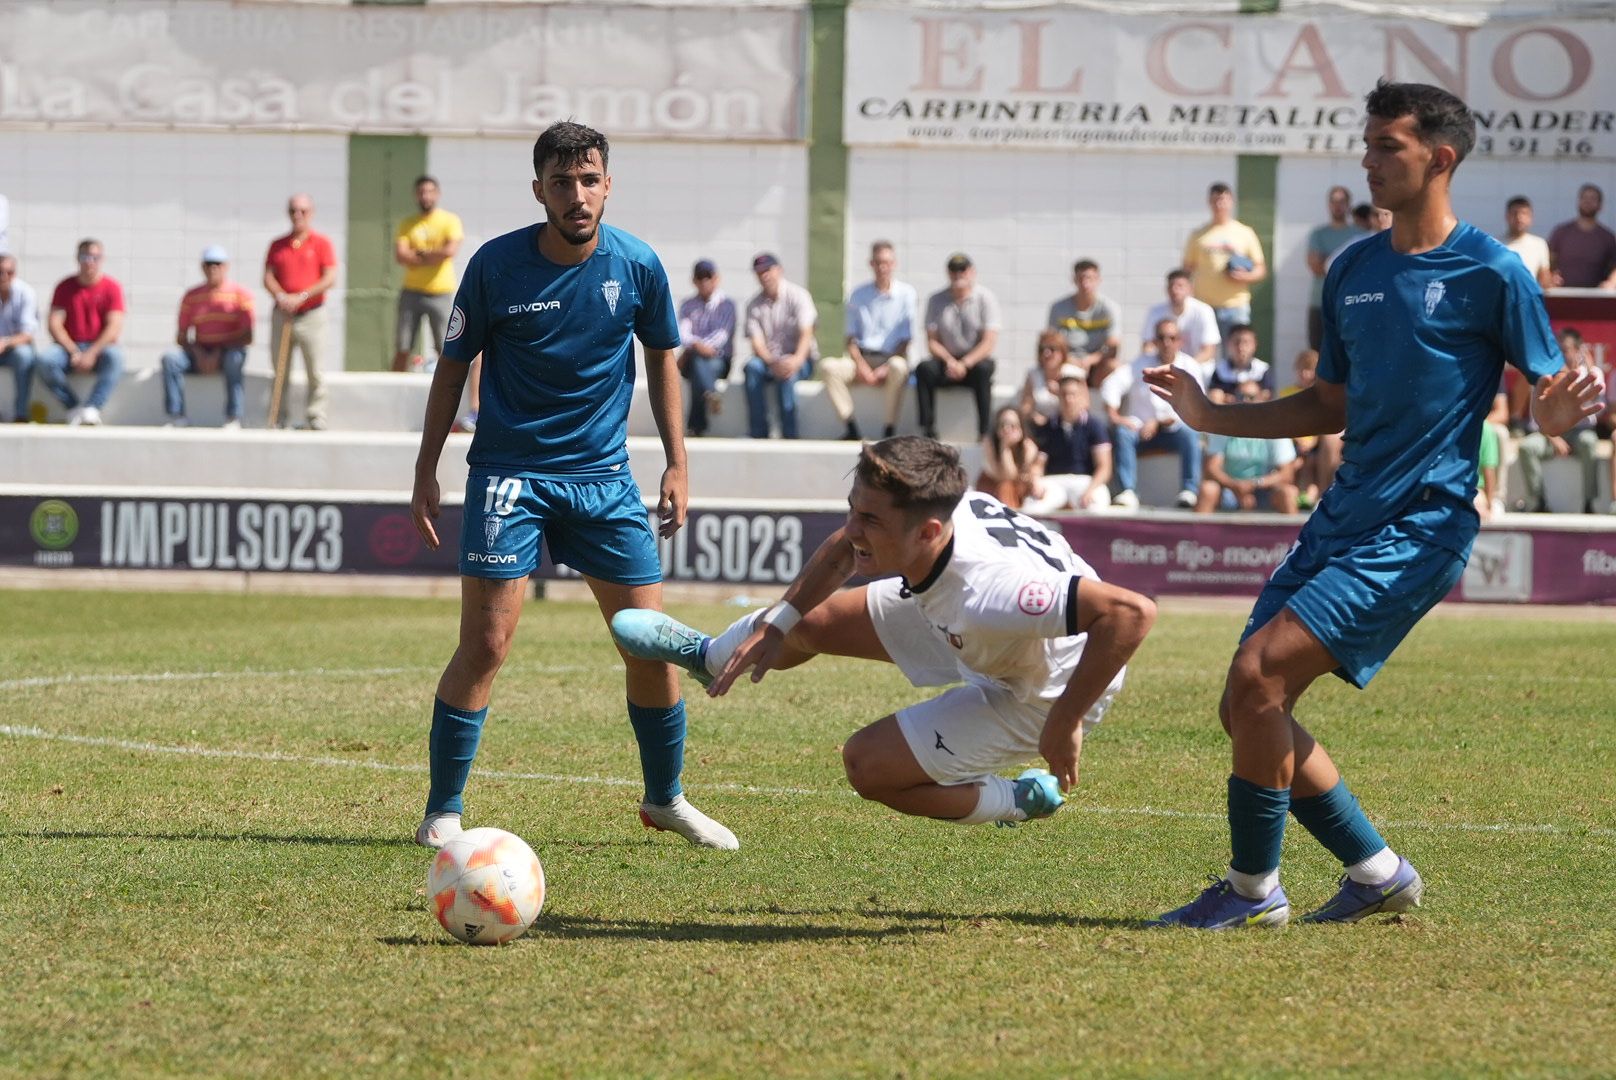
1225	259
425	247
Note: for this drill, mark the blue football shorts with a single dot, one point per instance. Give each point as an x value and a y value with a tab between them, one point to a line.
1360	597
597	527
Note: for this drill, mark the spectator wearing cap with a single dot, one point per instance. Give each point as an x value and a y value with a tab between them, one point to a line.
86	317
706	344
962	328
880	326
780	328
19	322
1225	259
215	328
1583	252
1077	452
300	269
1091	321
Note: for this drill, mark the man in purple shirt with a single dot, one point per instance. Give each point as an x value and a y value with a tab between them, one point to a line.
1582	252
706	344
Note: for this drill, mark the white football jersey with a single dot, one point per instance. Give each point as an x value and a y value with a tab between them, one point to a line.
1003	597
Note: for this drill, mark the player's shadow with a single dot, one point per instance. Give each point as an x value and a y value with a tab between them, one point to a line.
945	918
743	933
223	838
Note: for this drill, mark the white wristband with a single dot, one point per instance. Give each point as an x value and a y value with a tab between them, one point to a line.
783	617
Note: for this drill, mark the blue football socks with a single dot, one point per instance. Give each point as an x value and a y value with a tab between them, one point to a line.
1256	825
1337	821
450	750
660	731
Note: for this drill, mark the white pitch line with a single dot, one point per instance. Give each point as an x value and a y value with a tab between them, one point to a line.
750	789
94	678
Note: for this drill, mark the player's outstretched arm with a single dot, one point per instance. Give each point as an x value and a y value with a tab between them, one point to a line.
1116	621
662	382
1321	409
827	570
442	401
1562	399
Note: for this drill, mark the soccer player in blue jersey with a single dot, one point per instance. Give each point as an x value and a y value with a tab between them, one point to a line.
1418	323
554	308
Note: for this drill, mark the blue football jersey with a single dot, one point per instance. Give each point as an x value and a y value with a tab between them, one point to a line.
1420	342
558	350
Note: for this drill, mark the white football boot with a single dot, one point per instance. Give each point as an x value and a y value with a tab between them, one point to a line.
680	817
437	829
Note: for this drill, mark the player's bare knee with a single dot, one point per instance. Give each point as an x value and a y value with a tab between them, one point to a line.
1252	690
861	766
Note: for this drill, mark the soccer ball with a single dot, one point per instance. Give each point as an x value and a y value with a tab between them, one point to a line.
485	886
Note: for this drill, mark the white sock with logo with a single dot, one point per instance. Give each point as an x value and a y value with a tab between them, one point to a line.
1377	868
722	647
995	801
1253	886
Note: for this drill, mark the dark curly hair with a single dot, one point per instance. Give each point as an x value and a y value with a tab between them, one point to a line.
1440	118
567	144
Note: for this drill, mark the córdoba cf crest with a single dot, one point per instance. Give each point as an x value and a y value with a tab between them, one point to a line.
611	290
1433	296
491	528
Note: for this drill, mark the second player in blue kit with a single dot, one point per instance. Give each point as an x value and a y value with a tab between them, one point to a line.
1419	321
554	309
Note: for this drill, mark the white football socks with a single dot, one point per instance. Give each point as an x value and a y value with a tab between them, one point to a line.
1253	886
995	801
722	647
1377	868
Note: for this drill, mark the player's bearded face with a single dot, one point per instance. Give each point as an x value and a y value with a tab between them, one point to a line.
574	197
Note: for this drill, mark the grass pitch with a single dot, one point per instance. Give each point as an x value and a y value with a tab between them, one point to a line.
206	807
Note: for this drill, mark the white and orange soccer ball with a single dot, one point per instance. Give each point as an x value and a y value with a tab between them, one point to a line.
485	886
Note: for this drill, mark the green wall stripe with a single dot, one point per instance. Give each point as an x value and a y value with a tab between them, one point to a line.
827	170
381	191
1257	190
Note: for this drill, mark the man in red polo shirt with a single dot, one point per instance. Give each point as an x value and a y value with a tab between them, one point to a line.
86	317
300	269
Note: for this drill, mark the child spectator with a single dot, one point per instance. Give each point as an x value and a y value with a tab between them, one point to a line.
1241	471
1320	455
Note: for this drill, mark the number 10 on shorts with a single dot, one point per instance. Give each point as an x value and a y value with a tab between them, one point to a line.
500	498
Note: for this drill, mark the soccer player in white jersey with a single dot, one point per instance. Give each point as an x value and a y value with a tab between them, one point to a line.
970	592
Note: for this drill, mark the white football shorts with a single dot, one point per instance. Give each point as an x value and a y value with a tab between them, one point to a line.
966	730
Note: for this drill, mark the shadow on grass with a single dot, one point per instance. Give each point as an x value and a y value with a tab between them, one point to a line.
747	933
241	838
975	918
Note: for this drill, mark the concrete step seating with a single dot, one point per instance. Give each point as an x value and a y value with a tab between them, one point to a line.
375	420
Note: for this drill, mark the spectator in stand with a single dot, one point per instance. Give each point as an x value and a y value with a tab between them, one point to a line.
1371	220
1322	242
1012	465
1581	440
1197	323
299	270
880	326
425	246
86	318
1090	321
706	344
1076	453
1146	422
1040	393
215	328
1605	422
1582	252
1239	369
1490	459
780	326
1225	259
19	322
962	328
1242	472
1319	455
1519	238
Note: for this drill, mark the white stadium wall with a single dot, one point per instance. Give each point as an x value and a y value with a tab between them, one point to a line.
723	201
1024	218
155	200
